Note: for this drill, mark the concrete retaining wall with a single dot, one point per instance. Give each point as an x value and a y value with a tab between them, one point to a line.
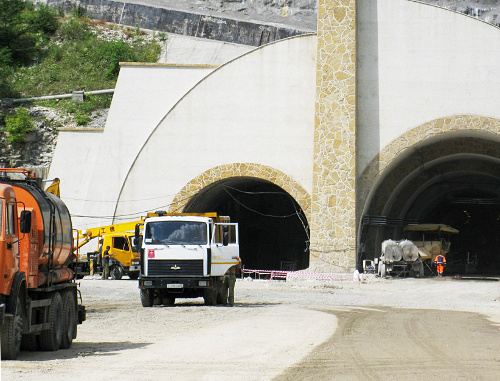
179	22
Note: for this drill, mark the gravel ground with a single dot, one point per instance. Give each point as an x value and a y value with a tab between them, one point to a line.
284	330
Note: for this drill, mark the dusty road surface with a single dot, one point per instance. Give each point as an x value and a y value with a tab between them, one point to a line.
391	329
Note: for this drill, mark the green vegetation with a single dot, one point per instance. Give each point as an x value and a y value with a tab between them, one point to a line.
43	53
18	125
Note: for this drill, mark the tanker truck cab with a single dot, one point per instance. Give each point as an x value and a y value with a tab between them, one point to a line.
39	300
186	256
9	261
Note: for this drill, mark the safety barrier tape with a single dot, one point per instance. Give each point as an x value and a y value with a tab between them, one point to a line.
292	275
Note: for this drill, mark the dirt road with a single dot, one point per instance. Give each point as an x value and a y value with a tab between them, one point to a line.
381	329
392	344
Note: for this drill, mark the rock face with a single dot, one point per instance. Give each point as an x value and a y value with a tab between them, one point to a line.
246	23
486	10
36	150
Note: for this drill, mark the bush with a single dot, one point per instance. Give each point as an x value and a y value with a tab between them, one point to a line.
18	125
42	20
110	54
74	30
82	119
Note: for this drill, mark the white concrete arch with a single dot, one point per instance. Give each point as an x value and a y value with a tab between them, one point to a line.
258	108
418	63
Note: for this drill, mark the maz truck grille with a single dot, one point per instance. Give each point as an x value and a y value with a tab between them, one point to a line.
168	267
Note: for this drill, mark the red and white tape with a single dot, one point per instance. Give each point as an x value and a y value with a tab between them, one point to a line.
317	276
292	275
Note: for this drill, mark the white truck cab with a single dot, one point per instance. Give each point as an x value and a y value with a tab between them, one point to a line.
186	256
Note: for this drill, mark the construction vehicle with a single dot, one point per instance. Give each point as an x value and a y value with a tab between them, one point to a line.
431	240
185	256
40	305
400	258
414	256
124	260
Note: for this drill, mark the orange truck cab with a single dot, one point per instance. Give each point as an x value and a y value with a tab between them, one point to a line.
39	300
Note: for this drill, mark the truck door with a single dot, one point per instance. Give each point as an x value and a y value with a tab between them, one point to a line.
224	247
121	249
9	249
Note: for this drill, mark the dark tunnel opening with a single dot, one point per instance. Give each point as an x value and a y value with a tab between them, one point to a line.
453	181
273	229
475	250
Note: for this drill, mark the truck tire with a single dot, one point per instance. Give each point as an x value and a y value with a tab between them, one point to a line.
147	297
116	272
12	333
50	339
420	273
30	343
210	296
221	291
133	276
383	271
168	300
69	319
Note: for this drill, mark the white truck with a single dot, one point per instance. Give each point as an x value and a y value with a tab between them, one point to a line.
185	256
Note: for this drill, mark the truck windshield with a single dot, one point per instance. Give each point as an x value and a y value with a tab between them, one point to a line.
177	232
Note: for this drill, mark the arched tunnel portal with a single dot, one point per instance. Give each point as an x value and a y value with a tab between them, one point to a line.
452	179
274	233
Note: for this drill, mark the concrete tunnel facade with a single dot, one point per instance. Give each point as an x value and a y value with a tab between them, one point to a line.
391	110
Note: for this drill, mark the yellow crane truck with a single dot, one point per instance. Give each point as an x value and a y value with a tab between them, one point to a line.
124	261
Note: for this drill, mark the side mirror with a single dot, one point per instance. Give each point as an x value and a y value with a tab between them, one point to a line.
137	244
25	221
137	239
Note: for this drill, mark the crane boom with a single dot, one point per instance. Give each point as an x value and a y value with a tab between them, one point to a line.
88	234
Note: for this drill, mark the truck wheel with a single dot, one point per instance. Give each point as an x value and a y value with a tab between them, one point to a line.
12	333
116	272
221	294
50	339
383	271
210	296
421	270
133	276
29	343
168	301
147	297
69	319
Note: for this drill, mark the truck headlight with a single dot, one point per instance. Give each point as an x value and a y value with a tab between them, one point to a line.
202	283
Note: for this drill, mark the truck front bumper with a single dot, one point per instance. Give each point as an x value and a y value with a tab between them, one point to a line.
174	283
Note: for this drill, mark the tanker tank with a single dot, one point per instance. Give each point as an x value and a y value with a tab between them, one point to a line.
50	212
391	250
410	250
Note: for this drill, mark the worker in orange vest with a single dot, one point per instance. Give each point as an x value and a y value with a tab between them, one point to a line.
440	262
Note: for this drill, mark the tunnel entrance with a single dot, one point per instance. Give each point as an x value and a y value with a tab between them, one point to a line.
274	233
454	180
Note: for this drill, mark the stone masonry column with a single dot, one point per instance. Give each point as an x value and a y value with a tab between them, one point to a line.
333	225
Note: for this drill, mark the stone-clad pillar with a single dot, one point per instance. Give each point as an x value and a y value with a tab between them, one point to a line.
333	225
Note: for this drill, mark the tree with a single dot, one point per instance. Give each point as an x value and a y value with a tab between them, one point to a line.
22	28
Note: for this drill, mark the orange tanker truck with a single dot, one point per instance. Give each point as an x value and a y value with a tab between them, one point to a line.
39	301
